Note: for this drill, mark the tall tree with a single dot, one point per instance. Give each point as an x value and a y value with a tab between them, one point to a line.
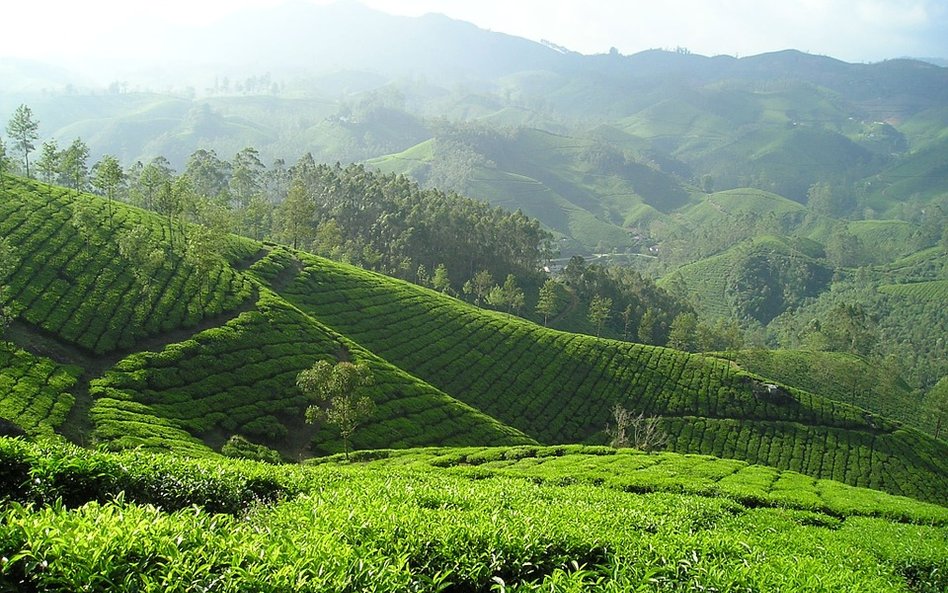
599	309
337	395
48	163
441	281
3	162
108	176
23	130
480	286
548	302
296	215
246	178
144	255
75	165
683	333
937	404
152	177
209	175
203	253
513	294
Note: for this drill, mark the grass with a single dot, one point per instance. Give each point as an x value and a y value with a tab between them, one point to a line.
102	522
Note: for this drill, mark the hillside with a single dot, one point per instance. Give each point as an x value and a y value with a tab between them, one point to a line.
446	372
562	519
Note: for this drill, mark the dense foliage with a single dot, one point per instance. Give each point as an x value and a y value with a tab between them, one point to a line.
111	523
212	384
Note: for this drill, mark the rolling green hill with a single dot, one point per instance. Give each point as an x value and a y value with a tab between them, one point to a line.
841	376
757	279
446	372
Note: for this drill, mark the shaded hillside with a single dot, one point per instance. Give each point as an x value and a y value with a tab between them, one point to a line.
195	381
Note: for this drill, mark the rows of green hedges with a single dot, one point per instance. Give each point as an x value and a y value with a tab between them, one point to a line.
34	391
122	523
241	378
71	280
559	387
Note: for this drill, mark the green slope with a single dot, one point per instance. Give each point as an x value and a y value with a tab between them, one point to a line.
559	387
153	373
841	376
447	372
34	391
70	271
578	186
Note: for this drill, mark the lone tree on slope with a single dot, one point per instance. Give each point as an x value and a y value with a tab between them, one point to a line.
335	391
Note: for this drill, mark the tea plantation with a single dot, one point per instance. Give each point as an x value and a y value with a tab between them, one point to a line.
76	520
140	361
559	387
72	281
34	391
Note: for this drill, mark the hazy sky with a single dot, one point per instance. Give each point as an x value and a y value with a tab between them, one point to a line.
852	30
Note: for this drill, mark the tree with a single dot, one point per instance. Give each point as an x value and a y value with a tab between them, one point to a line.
143	254
336	393
648	326
548	301
480	286
626	321
513	294
3	162
599	309
74	164
48	163
422	275
23	131
642	432
440	281
108	176
683	332
152	177
203	253
296	214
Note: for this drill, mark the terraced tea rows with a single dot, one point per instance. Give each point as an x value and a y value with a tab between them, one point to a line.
634	471
71	271
935	291
560	387
839	376
34	391
241	378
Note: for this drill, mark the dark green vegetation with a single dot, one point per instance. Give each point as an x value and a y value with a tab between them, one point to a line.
522	519
445	372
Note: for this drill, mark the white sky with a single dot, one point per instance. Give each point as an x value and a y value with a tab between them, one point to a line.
852	30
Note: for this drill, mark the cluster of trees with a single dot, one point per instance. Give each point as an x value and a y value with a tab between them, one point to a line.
381	222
